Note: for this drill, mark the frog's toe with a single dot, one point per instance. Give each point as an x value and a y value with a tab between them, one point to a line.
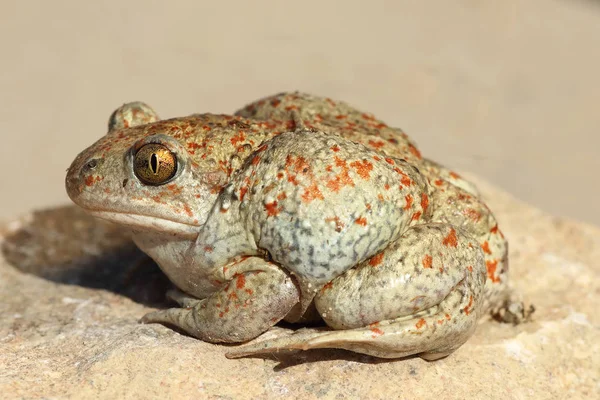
513	312
154	317
277	339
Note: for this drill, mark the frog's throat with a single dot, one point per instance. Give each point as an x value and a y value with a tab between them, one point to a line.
149	223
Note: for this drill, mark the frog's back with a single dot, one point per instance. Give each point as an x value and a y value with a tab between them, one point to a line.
334	117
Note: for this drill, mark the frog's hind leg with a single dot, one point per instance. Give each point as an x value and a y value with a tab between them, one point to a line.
422	295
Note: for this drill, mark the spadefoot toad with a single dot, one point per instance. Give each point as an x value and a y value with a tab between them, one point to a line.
300	208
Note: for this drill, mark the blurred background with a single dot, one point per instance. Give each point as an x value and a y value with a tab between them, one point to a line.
508	90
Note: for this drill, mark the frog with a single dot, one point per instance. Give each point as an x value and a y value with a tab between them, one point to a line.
303	209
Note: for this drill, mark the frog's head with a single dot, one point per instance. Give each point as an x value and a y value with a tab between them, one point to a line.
141	175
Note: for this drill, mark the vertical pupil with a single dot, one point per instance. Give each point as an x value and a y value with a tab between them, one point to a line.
154	163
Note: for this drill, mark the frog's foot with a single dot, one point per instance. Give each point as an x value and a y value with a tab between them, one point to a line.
181	298
513	312
258	295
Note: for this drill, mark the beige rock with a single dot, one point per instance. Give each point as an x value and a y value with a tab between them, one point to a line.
72	290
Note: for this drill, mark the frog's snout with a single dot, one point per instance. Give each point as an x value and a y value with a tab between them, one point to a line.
81	175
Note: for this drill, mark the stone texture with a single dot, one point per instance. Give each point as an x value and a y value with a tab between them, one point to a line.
72	289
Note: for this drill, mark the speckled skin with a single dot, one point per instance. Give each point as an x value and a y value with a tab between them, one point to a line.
300	207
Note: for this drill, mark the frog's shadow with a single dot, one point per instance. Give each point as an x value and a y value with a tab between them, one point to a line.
291	359
67	246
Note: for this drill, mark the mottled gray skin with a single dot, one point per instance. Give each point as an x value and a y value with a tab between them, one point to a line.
299	201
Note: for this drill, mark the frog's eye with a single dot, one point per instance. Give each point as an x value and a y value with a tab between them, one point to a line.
154	164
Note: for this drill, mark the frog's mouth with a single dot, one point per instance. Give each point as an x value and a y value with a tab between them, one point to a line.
148	223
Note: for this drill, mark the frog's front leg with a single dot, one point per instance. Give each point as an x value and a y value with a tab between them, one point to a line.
257	296
422	295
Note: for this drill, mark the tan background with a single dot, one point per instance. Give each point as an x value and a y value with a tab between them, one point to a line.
507	89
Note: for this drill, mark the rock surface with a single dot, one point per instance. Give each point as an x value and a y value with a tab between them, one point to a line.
72	290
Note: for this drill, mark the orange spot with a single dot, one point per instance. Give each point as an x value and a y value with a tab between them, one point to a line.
405	180
363	169
376	260
416	216
240	281
496	230
468	307
486	247
238	138
340	116
424	202
421	323
342	179
249	291
312	193
376	158
454	175
90	180
192	147
491	271
281	196
368	117
389	160
188	210
157	199
275	103
175	189
255	159
376	144
414	151
368	205
447	317
473	214
208	249
380	197
450	240
470	268
409	201
243	191
438	182
376	332
386	186
335	148
427	261
272	209
361	221
232	296
327	286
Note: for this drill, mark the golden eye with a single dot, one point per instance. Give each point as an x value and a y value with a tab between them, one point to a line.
154	164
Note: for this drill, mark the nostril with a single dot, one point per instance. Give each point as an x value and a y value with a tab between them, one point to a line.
90	165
